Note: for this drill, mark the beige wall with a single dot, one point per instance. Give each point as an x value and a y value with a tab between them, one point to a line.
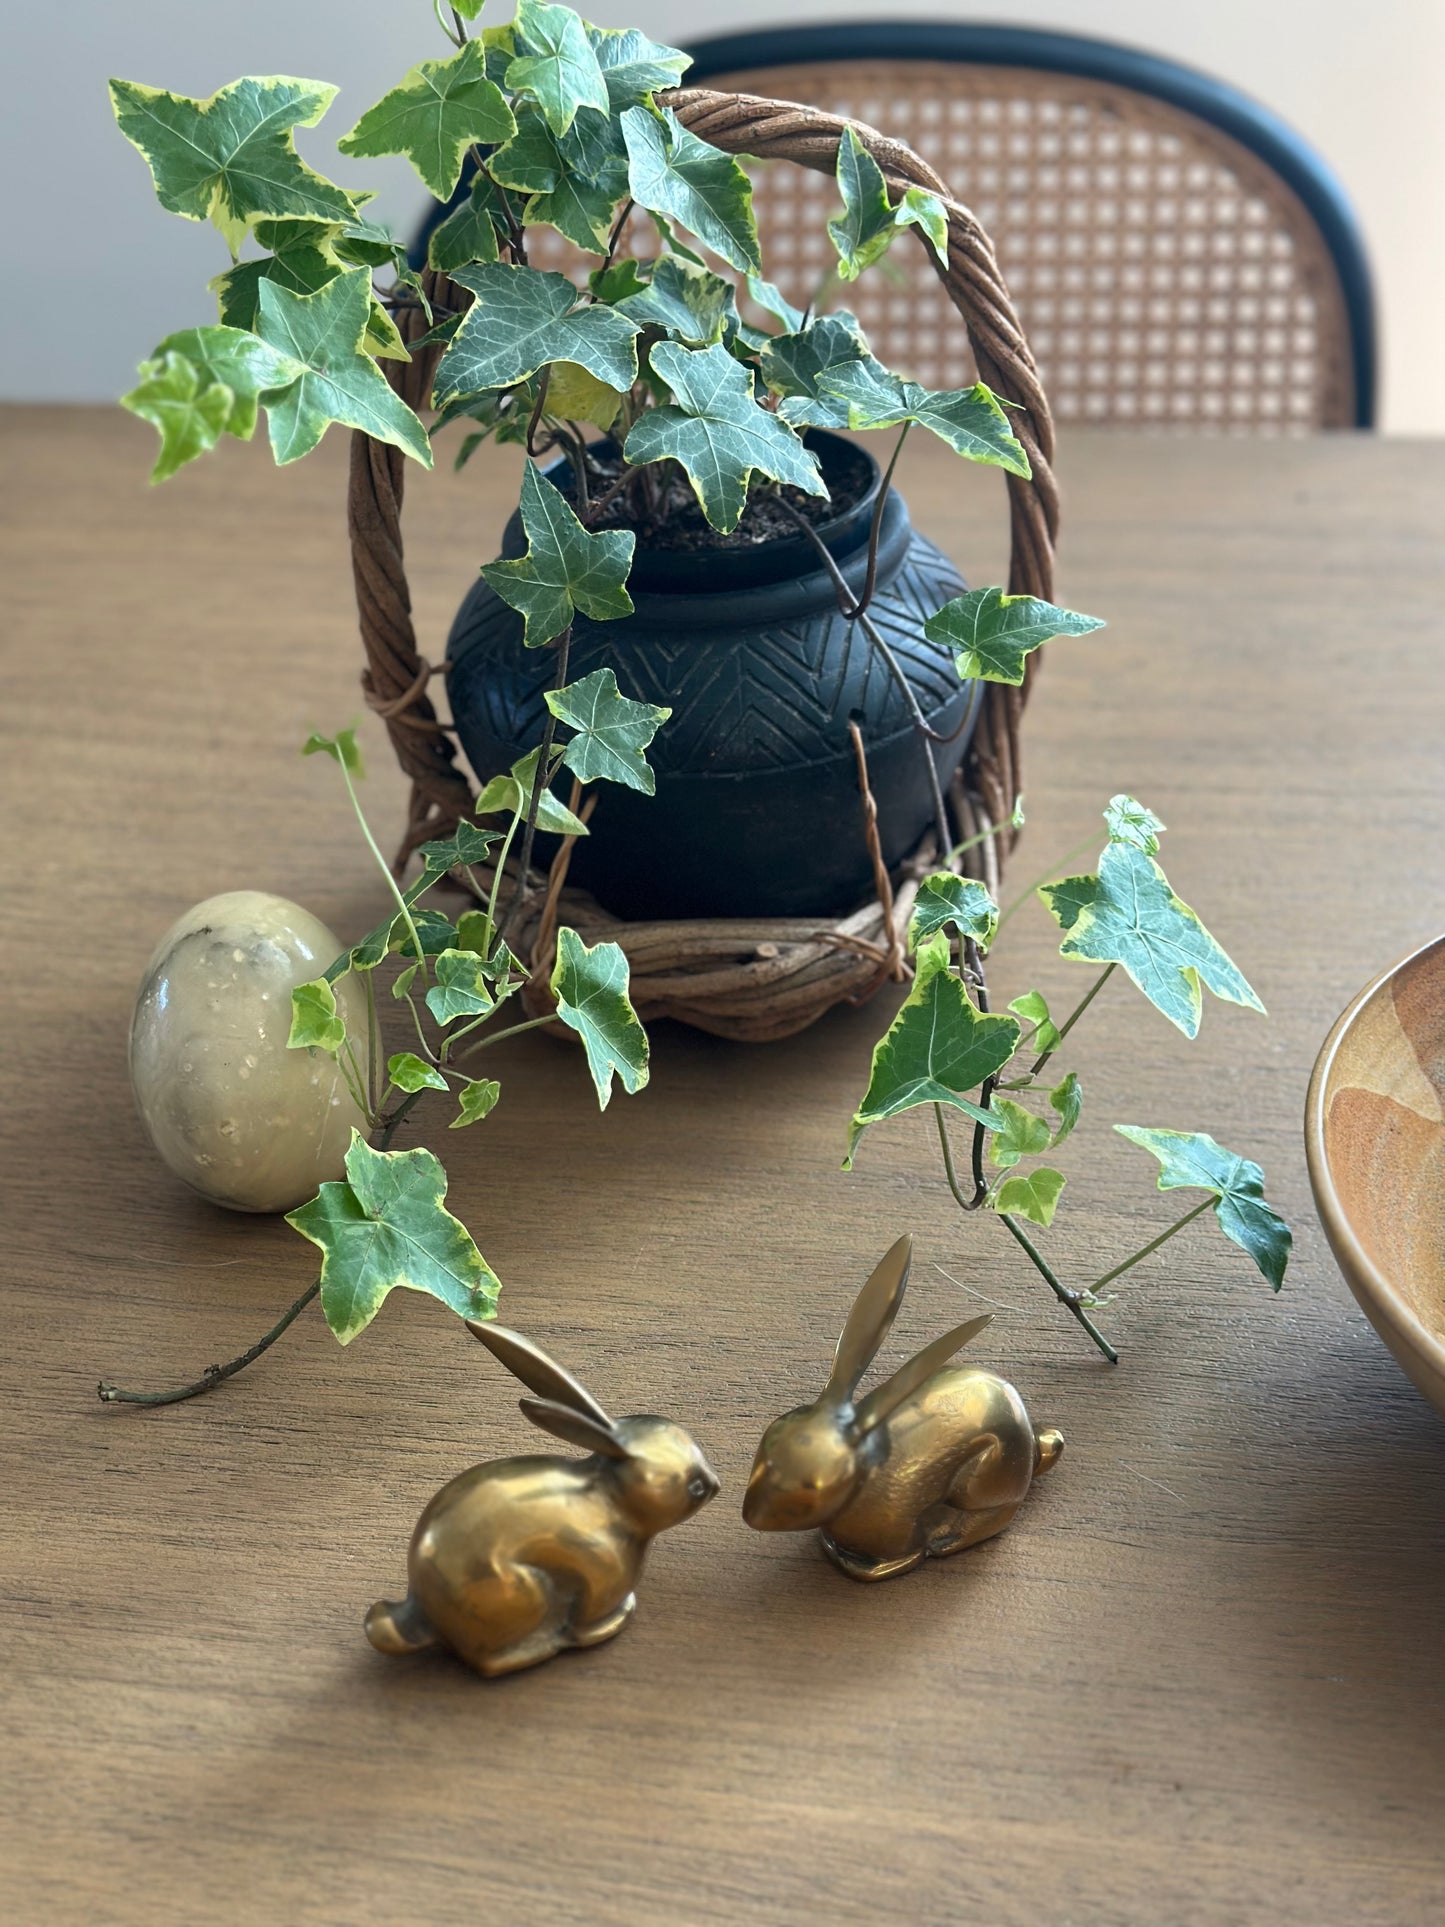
1365	84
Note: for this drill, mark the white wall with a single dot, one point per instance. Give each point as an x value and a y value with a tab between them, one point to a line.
1365	84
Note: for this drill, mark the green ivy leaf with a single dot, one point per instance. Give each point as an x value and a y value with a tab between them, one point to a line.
386	1226
936	1048
772	301
718	433
564	569
692	305
188	412
342	748
612	732
1030	1194
575	180
315	1021
511	794
521	320
478	1100
575	396
1021	1134
870	220
324	332
555	63
461	988
946	900
862	394
1033	1010
305	256
613	284
434	116
1129	822
796	365
991	633
635	67
236	359
468	233
230	159
1067	1100
466	844
681	178
1128	915
412	1073
591	991
1193	1161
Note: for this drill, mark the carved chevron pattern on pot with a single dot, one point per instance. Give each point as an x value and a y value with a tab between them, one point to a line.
742	701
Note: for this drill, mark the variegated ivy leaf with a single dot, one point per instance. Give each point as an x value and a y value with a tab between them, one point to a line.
574	180
555	63
861	393
635	67
794	365
510	795
230	159
591	989
1127	914
305	256
237	360
613	732
478	1099
564	569
1034	1010
468	233
189	412
991	633
1128	821
386	1227
772	301
340	383
945	901
412	1073
1030	1194
316	1023
681	178
434	116
692	305
1192	1160
938	1047
521	320
461	988
718	433
870	220
1067	1099
466	844
1020	1135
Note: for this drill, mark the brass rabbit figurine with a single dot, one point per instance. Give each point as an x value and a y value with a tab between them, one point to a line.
931	1461
519	1559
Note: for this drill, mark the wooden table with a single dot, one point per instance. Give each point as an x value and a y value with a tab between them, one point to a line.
1200	1681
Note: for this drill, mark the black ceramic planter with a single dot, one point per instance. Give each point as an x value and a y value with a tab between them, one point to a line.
757	811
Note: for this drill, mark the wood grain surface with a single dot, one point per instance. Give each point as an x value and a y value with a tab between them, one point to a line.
1203	1677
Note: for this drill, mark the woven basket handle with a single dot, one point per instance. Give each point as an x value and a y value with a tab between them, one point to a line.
396	676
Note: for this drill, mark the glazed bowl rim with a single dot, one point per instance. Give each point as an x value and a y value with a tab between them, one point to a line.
1364	1277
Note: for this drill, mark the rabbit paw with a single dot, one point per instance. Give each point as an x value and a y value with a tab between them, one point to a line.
858	1565
607	1628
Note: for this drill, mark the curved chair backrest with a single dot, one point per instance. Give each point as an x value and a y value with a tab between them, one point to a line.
1178	255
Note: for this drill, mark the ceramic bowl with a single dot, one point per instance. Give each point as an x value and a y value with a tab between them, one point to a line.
1375	1143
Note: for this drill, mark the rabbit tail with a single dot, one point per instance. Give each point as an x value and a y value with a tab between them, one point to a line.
1050	1443
399	1629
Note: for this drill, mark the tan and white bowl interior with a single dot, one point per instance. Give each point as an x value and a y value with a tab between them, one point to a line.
1375	1142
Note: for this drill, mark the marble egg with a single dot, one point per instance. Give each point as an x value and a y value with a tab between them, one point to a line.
246	1122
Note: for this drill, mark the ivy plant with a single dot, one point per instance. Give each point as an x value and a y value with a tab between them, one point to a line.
947	1049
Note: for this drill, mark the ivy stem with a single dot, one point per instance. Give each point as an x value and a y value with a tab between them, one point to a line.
214	1374
539	780
616	234
875	531
980	1191
391	883
373	1031
1068	1024
1066	1297
512	1030
1163	1238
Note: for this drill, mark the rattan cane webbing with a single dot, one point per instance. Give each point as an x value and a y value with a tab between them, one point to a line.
761	979
1165	275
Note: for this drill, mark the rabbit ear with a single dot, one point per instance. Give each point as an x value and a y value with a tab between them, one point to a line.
874	1310
538	1373
563	1423
888	1396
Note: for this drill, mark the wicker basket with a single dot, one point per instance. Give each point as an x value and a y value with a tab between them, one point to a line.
750	980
